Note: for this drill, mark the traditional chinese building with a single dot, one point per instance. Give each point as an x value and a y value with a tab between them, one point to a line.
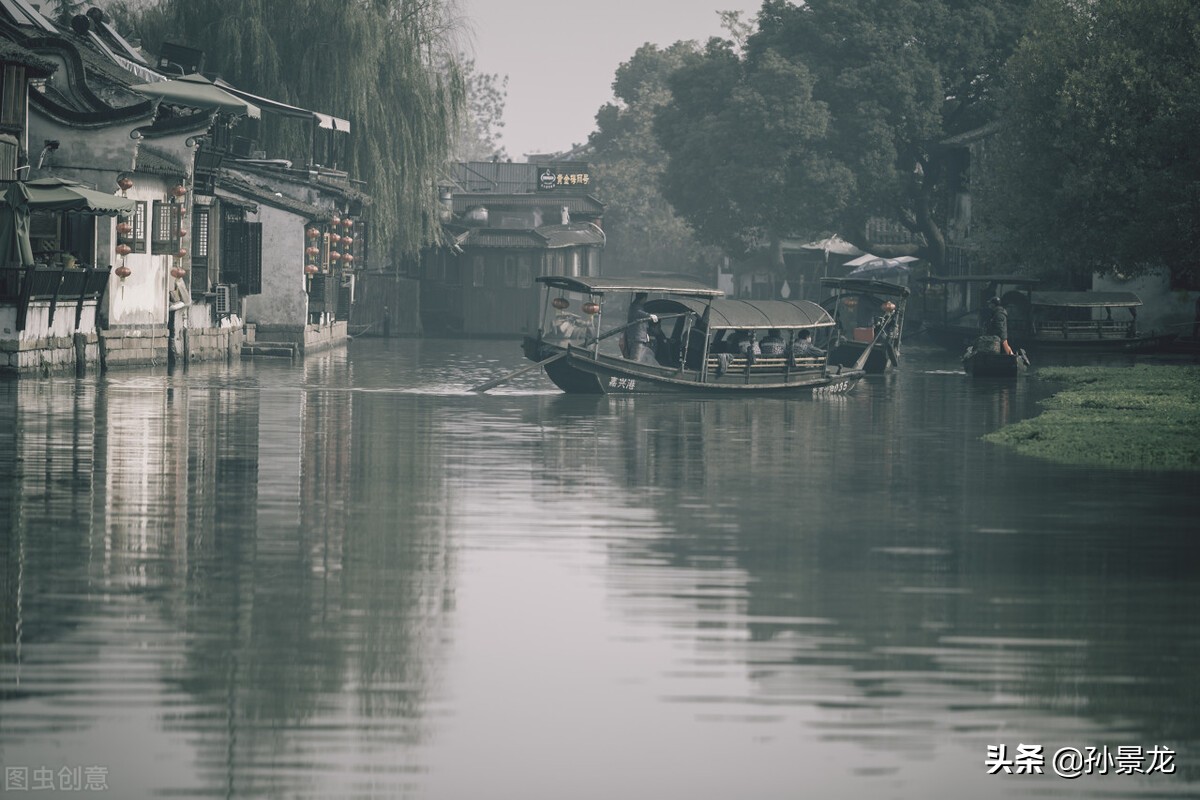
506	224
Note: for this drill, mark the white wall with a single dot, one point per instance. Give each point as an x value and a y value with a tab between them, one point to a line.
284	300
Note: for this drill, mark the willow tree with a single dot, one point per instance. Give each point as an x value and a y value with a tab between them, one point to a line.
378	63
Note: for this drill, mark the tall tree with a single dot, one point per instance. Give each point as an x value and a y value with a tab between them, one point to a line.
644	232
480	127
377	64
835	113
1097	165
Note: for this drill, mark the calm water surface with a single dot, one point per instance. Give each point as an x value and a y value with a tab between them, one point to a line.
353	578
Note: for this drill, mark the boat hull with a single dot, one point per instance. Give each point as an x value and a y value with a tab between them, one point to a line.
579	371
980	364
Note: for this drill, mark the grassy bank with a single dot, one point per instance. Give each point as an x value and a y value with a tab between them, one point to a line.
1144	417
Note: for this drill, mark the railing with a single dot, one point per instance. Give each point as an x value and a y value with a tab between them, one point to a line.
1086	329
20	286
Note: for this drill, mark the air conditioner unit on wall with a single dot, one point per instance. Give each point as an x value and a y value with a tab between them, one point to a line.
224	301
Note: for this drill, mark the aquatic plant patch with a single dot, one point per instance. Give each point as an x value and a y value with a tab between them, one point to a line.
1144	417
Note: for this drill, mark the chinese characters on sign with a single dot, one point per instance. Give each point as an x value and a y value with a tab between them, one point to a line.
64	779
549	179
1073	762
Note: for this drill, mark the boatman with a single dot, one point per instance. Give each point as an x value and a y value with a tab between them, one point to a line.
637	335
997	324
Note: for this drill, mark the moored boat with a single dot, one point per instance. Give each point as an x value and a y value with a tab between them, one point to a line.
697	336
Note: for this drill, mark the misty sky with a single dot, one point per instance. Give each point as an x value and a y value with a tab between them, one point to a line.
560	57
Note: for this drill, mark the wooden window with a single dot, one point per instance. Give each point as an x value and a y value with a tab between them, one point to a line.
241	256
199	274
164	234
12	102
138	237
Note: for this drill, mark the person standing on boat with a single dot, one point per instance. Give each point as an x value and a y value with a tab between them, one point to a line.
637	335
997	324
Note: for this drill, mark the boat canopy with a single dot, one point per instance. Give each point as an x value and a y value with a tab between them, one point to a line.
866	286
1016	280
1085	299
725	314
594	285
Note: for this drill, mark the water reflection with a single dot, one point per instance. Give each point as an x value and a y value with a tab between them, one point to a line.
351	578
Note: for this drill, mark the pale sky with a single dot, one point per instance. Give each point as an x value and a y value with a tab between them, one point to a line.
560	57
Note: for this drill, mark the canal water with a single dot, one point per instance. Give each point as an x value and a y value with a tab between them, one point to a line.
353	578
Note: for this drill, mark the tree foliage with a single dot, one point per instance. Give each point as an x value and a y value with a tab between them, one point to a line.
1097	165
375	63
833	115
644	232
481	125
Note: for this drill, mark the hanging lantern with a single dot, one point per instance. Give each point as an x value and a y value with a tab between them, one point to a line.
335	221
178	272
347	258
126	183
123	272
334	238
181	233
180	190
347	223
181	253
312	251
347	241
591	308
124	228
888	307
311	269
124	249
312	233
335	256
850	302
561	303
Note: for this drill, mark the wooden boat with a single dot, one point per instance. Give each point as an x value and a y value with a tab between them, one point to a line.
952	307
871	313
983	363
1038	321
696	325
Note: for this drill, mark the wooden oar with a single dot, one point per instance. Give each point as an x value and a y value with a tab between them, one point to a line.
494	382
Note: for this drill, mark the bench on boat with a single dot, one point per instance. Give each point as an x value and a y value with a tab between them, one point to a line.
1086	329
763	364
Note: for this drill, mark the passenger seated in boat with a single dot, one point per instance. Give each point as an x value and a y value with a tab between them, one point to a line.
745	344
804	347
570	326
772	344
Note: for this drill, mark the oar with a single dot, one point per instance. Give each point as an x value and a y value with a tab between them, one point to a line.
862	359
494	382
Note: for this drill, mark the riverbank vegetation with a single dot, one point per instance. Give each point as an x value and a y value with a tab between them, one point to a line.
1144	417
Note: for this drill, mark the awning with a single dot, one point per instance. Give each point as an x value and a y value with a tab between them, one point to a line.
323	120
197	91
723	314
589	285
47	194
59	194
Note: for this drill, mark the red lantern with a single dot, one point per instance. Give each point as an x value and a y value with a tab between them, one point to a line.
335	256
888	307
335	221
123	272
311	269
347	258
181	233
347	223
181	253
347	241
312	251
561	303
124	228
124	249
334	238
179	191
591	308
125	183
850	302
312	233
178	272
